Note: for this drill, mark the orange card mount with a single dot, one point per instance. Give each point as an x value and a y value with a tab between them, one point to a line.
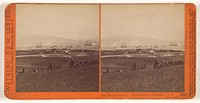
100	51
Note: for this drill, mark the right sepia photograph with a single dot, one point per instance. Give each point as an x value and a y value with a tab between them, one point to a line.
142	48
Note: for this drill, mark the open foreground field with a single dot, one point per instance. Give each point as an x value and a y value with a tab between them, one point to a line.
149	79
37	78
60	80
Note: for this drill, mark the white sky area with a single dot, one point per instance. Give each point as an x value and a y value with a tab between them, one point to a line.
157	21
81	22
68	21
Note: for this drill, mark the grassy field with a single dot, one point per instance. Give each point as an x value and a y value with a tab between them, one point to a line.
31	63
60	80
128	62
65	79
166	79
148	80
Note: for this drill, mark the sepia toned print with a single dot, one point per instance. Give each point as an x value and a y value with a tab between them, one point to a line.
100	51
142	48
57	48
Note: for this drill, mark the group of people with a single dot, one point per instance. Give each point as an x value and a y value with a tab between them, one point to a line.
159	64
28	71
20	72
135	67
156	64
72	64
54	66
75	64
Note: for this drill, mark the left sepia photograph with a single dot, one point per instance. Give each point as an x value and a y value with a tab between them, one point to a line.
57	48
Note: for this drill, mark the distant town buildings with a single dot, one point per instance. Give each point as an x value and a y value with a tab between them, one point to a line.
87	45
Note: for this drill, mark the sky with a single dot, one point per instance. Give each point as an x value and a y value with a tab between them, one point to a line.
157	21
69	21
81	22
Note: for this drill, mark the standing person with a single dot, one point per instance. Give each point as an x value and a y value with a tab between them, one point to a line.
23	70
155	65
71	64
133	67
50	67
